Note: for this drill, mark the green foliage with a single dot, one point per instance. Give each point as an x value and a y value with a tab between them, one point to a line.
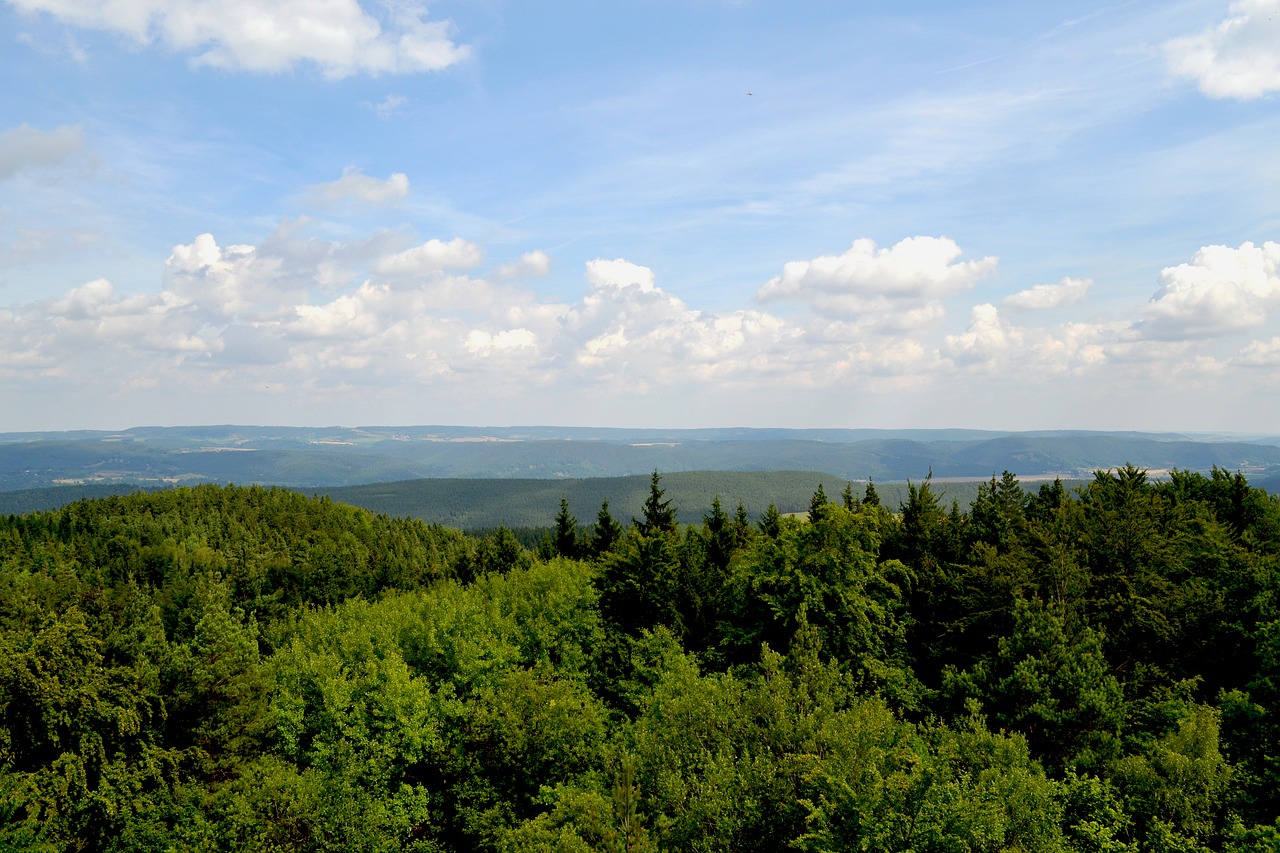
1054	686
246	668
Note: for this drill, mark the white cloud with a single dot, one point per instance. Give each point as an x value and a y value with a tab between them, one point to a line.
339	37
347	317
1222	290
402	322
358	187
1260	354
481	342
987	339
867	279
27	147
619	273
1239	58
235	282
532	264
1069	291
388	106
432	257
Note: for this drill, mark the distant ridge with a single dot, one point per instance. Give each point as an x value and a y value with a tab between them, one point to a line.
327	457
479	504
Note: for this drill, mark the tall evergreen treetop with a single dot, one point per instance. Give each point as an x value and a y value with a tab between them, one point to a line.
566	531
659	515
607	531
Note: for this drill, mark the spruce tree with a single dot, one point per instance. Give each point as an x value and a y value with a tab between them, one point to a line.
659	516
566	541
607	531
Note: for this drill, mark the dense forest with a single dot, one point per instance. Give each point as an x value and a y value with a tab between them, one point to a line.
246	668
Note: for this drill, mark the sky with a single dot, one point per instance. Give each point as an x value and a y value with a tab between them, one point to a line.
640	213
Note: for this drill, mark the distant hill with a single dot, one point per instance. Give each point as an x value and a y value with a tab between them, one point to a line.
314	458
473	504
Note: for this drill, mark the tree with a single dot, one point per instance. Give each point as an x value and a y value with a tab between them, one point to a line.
566	536
818	505
640	586
771	522
721	537
741	526
659	516
606	532
998	514
1054	685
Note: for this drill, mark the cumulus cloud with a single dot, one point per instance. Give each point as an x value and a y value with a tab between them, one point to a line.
867	279
1239	58
284	313
222	283
27	147
358	187
1069	291
339	37
619	273
431	257
987	338
1221	290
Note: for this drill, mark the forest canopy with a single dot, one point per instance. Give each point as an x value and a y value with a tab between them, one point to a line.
246	668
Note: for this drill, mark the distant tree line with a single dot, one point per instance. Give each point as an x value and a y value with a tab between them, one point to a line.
232	668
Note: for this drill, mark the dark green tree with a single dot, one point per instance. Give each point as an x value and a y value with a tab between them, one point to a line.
818	505
742	530
722	540
771	522
606	532
566	535
659	515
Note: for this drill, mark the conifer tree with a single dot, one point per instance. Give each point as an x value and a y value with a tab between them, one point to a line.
566	541
607	531
817	505
659	515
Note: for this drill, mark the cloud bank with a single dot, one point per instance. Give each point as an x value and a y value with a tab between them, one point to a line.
305	313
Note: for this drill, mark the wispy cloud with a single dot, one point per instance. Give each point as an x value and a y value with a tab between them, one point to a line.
340	37
388	106
355	186
25	147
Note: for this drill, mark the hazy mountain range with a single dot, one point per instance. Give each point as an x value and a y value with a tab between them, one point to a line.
340	456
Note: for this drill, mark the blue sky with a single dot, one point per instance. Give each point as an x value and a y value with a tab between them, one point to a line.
669	213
